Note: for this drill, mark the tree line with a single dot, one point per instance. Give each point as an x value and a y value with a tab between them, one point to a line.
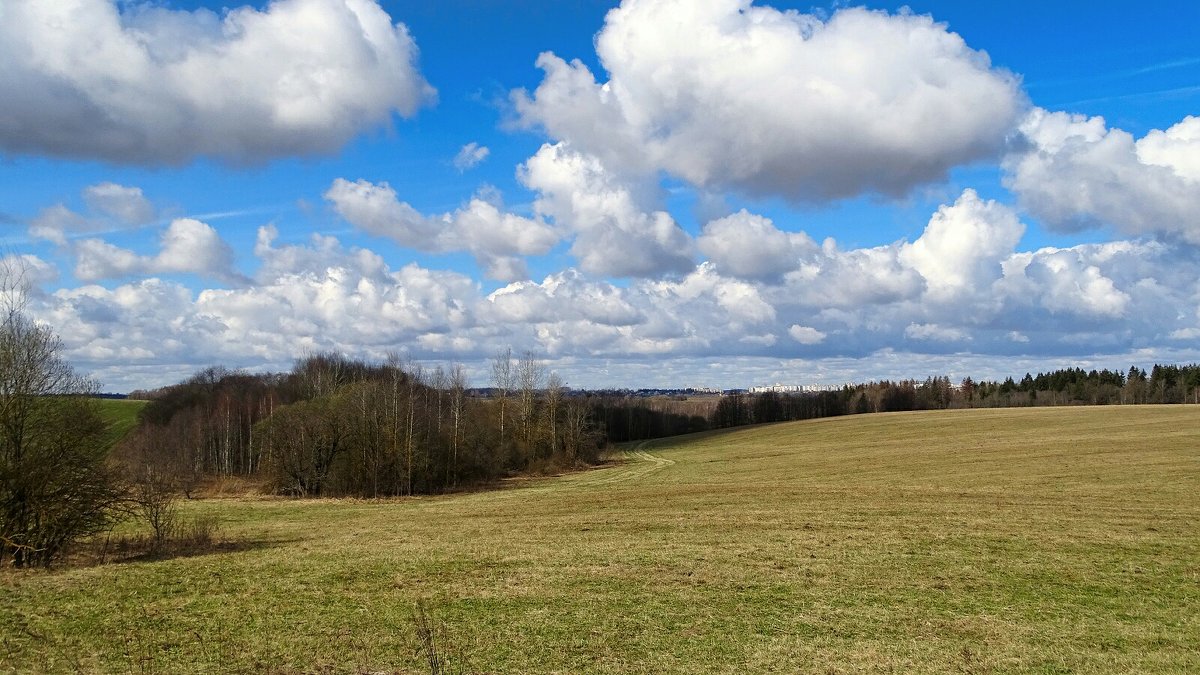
336	426
340	426
1063	387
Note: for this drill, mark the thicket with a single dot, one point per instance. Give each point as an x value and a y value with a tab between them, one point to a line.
339	426
56	484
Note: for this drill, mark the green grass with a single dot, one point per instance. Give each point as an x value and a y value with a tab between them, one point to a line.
1042	541
121	416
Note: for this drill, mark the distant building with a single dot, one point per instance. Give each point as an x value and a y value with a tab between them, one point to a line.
795	388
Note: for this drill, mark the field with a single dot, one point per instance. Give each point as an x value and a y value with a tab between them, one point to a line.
1018	540
121	415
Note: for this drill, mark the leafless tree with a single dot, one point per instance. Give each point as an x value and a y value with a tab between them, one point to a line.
554	396
531	375
55	485
502	381
458	390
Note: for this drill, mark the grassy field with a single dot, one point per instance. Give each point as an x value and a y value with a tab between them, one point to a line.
121	414
1043	540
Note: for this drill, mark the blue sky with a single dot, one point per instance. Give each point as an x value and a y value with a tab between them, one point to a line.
716	194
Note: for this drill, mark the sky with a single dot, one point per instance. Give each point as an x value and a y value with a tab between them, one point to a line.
653	193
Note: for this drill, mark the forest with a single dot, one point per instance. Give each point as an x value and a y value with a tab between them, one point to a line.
336	426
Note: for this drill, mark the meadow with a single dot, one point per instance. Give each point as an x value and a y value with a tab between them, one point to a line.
1011	540
121	414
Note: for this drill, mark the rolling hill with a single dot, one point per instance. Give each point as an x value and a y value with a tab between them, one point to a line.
1016	540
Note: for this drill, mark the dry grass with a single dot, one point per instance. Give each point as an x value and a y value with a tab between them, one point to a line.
1046	540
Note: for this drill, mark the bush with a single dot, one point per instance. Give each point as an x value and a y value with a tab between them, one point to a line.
55	483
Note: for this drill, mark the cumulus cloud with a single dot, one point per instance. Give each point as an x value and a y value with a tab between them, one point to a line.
188	246
1073	172
932	331
495	237
25	271
616	234
806	335
125	204
750	246
315	259
725	94
564	296
470	156
54	222
963	245
1066	281
852	279
140	83
961	288
110	206
1070	303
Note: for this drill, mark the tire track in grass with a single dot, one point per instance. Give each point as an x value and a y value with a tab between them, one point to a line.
643	464
646	464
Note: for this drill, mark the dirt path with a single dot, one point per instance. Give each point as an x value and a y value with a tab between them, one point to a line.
639	465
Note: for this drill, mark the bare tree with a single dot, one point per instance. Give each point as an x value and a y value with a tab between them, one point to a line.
576	429
458	390
531	374
438	380
502	381
416	377
554	395
55	485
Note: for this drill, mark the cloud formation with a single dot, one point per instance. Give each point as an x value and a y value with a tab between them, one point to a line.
963	245
110	206
140	83
187	246
124	204
728	95
750	246
847	304
1074	172
495	237
616	232
470	156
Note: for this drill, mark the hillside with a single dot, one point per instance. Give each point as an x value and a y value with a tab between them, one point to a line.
121	415
1016	540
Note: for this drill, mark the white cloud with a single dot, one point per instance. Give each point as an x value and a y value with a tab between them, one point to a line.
25	272
54	222
140	83
1067	284
566	296
110	206
962	246
496	238
852	279
470	156
615	233
724	94
188	246
806	335
125	204
750	246
322	254
1177	148
932	331
1061	304
1074	173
